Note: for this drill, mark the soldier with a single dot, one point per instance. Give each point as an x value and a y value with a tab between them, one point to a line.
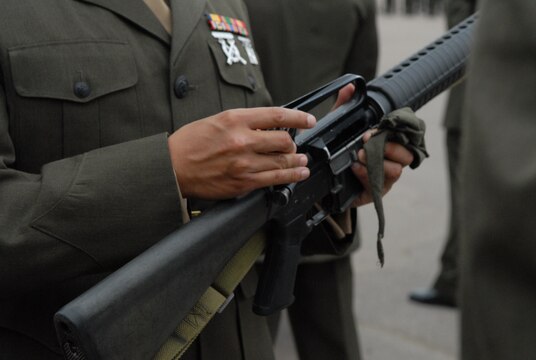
389	6
498	186
444	291
412	6
294	38
90	177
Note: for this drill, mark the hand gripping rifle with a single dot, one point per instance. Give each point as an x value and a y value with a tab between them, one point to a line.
131	313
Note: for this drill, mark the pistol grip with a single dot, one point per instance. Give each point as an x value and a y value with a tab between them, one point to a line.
275	290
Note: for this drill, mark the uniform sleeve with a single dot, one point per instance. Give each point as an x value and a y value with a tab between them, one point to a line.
363	56
83	214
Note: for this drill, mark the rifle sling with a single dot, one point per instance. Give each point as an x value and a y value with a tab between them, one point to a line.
213	300
401	126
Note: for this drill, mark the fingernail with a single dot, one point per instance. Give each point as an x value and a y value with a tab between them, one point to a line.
311	120
304	173
303	160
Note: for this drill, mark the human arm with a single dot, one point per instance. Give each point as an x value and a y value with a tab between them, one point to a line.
81	214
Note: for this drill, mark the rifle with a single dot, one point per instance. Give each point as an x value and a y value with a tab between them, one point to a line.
131	313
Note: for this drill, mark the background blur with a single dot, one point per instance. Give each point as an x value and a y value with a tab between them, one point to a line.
416	211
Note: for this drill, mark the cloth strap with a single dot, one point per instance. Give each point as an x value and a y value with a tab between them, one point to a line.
213	300
401	126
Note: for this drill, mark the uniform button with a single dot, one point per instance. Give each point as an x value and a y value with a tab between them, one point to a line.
181	86
81	89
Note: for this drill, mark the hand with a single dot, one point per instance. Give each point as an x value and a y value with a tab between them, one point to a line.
226	155
396	158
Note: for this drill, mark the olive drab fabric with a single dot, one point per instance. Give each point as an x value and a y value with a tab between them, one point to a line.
498	185
303	44
294	39
89	91
447	280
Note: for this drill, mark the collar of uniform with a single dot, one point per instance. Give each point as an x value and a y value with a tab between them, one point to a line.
185	15
136	12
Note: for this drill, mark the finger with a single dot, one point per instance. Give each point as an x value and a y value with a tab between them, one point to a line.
255	164
277	117
272	142
392	172
360	171
368	134
362	156
393	151
280	176
365	197
281	161
398	153
344	95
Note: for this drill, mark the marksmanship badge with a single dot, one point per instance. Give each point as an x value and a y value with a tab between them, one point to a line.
227	31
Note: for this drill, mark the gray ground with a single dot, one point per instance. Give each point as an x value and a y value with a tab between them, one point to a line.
416	223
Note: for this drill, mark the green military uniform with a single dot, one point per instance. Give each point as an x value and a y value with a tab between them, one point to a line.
498	186
89	90
446	282
303	44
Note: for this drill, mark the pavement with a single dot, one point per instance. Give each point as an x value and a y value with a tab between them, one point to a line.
416	210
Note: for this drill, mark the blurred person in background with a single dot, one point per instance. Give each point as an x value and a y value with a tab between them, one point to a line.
498	186
444	290
303	44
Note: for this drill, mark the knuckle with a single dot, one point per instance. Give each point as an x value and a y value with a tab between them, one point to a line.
395	172
279	177
237	143
283	161
229	117
278	117
239	166
242	184
286	142
226	116
361	171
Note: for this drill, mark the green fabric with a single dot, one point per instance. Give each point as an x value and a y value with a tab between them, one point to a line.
330	333
213	299
447	280
498	186
86	183
293	39
401	126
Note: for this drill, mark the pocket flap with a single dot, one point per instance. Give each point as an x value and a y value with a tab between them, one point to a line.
76	71
239	73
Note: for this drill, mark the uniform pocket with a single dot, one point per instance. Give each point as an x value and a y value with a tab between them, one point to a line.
237	64
72	97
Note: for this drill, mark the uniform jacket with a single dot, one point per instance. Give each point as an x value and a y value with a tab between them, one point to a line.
457	11
304	44
498	186
89	90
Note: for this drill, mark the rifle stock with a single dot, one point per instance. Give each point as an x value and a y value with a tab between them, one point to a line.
141	303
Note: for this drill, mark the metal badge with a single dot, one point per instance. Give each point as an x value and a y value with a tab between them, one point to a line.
228	45
252	56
